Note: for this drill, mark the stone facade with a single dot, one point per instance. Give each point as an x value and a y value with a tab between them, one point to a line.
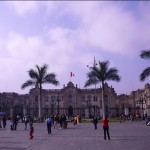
72	100
13	103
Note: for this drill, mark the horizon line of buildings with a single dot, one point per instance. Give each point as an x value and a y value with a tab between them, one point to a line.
71	100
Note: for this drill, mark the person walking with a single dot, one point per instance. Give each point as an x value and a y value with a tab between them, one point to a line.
78	119
106	127
26	121
0	122
11	124
4	121
31	131
15	122
95	121
55	120
49	122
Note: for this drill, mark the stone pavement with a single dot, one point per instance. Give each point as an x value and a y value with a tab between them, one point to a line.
124	136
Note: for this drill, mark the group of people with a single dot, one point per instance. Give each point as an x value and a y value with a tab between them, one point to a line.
76	120
3	120
14	122
26	120
132	117
57	121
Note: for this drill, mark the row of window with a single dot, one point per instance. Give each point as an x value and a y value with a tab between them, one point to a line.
89	98
84	98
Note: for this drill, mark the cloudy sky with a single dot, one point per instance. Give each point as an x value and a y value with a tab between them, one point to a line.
67	36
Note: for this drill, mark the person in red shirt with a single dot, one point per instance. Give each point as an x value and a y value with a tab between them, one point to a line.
106	127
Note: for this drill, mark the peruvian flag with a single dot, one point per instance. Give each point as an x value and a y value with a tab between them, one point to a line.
71	74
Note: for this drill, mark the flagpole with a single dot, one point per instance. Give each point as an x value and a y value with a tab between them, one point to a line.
70	73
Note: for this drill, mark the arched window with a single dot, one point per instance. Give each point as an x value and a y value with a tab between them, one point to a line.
69	97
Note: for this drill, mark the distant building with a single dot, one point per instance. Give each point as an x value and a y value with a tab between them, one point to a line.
72	100
13	103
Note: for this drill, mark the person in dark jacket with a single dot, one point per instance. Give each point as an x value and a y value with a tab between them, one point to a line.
4	121
15	122
95	121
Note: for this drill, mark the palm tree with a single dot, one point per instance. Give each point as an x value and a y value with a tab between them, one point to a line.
145	54
101	74
38	77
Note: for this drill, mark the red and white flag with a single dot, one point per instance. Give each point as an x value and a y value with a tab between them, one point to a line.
72	74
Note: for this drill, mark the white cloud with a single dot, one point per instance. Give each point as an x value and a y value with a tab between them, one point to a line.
30	7
101	26
23	7
109	27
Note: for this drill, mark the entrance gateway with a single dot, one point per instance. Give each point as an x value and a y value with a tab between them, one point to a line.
70	111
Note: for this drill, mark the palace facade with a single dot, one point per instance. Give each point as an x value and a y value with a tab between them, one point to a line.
72	100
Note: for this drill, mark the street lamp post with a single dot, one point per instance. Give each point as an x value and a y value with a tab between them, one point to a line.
58	100
3	103
142	102
29	106
94	65
52	104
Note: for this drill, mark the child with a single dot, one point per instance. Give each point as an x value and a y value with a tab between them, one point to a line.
11	124
31	131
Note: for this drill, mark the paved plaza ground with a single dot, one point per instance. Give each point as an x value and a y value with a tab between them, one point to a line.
124	136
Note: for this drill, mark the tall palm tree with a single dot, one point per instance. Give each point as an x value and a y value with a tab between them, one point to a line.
145	54
38	77
101	74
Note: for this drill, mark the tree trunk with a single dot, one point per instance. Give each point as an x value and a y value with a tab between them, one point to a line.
103	101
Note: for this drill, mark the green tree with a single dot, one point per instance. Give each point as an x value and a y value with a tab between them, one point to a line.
145	54
102	73
38	77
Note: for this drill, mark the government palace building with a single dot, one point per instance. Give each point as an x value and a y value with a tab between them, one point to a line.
72	100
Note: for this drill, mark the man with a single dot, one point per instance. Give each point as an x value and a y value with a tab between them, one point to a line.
49	122
95	121
106	127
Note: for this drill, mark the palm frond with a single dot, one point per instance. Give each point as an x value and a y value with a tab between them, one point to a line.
101	73
92	74
112	74
44	70
145	54
40	76
104	66
27	83
50	78
33	74
145	74
93	77
91	81
41	72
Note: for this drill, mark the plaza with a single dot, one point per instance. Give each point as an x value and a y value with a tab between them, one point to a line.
124	136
